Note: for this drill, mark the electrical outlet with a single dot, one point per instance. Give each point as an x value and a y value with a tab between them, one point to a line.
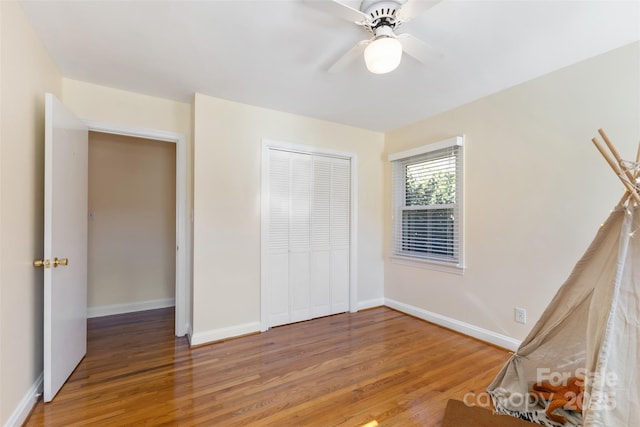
521	315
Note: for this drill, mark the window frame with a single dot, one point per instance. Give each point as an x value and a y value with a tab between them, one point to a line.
399	162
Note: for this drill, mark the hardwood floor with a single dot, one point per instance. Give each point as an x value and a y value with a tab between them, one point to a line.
376	366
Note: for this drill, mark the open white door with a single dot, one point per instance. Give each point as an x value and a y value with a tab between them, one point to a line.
65	244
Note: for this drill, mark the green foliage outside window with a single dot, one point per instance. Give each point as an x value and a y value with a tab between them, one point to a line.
438	189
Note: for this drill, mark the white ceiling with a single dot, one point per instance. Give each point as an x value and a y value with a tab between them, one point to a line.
275	53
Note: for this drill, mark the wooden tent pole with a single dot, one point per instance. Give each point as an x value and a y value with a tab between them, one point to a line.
606	156
626	194
624	198
629	175
617	169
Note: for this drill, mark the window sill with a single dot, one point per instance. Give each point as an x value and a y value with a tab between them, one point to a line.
428	264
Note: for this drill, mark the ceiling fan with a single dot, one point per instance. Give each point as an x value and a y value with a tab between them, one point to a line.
383	51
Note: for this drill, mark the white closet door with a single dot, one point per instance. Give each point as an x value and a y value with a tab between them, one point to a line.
278	245
321	237
340	195
299	223
308	230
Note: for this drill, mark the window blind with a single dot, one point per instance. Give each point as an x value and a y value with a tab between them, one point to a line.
427	204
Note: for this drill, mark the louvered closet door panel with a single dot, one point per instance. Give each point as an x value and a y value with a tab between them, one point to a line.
339	281
299	236
321	204
278	245
308	248
340	218
278	295
321	237
320	283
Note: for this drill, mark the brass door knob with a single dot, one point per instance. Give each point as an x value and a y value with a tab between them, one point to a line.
60	261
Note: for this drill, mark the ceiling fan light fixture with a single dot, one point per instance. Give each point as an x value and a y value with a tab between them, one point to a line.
383	55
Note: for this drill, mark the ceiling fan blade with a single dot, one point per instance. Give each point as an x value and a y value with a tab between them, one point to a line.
413	8
350	56
334	7
418	49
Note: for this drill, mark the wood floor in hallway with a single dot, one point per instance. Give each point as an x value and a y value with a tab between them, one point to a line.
376	367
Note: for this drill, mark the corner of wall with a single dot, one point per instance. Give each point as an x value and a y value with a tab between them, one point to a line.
213	335
465	328
30	398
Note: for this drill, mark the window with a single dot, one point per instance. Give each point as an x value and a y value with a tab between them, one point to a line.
427	205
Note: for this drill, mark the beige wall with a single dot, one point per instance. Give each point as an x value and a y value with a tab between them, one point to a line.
123	108
120	107
227	141
536	189
132	222
26	74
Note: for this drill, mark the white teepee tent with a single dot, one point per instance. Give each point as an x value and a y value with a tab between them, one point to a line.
591	328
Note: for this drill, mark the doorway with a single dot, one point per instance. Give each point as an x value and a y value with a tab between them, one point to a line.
182	253
131	224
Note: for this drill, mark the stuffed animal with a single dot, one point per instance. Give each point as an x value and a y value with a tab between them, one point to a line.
567	395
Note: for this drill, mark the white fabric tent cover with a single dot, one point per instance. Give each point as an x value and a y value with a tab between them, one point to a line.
591	327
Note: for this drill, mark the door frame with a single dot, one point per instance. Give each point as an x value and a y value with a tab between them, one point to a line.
269	144
182	305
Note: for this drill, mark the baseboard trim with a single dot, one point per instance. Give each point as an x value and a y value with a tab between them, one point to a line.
108	310
199	338
456	325
22	411
371	303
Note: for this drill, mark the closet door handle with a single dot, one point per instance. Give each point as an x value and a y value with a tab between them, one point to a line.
44	263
